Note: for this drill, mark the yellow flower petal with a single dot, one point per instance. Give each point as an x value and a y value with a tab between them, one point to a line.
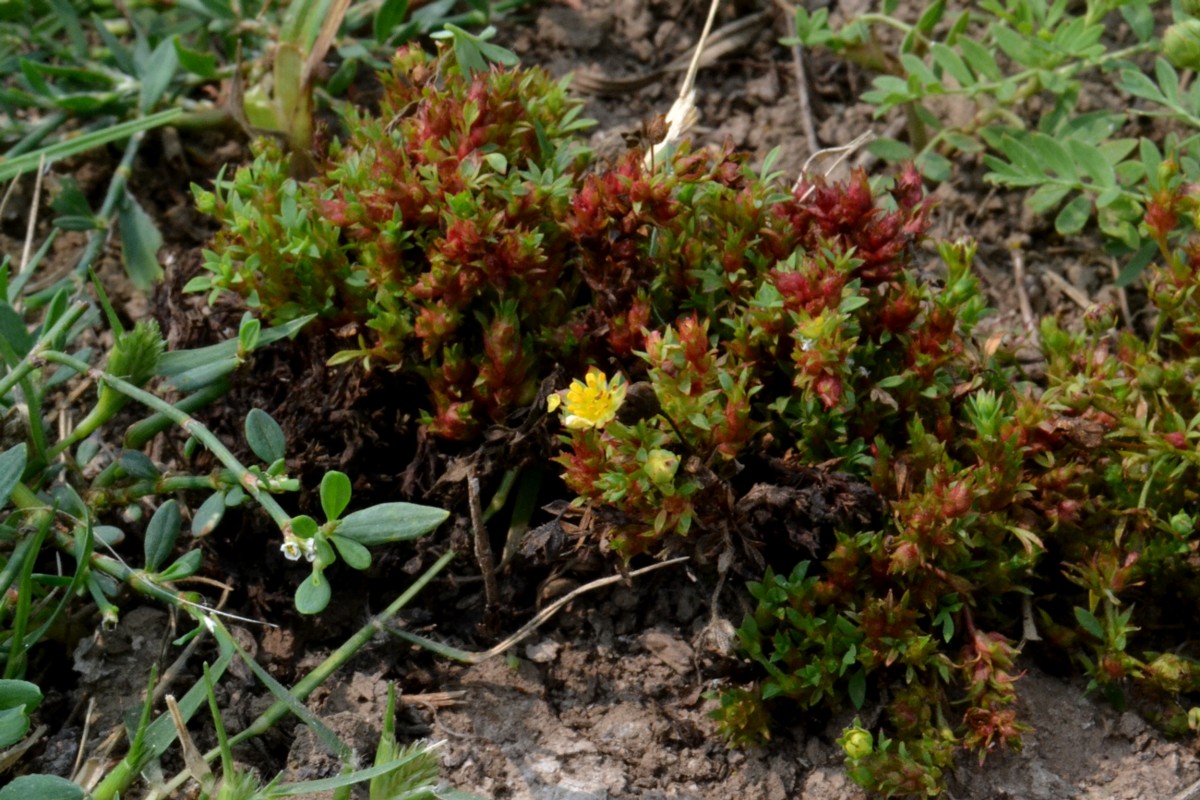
592	402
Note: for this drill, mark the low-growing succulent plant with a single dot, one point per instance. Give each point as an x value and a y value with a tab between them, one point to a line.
789	375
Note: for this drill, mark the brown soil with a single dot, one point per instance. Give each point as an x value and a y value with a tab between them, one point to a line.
609	699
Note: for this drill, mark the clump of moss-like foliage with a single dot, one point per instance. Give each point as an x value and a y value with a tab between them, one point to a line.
783	353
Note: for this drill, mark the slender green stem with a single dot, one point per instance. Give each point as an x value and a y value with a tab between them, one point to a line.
28	364
102	499
142	432
41	514
319	674
116	192
36	134
338	657
15	665
193	427
501	495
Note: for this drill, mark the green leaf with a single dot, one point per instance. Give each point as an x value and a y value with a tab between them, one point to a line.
890	149
981	59
390	522
161	534
1074	216
13	331
499	55
1047	197
934	166
1136	83
1087	620
15	693
14	724
1052	156
140	243
264	436
1015	46
931	16
138	465
185	566
304	526
353	553
1023	159
857	688
313	593
1136	264
1168	81
249	333
389	17
17	700
208	516
1114	151
951	63
12	467
1092	163
1140	18
335	494
156	73
42	787
197	62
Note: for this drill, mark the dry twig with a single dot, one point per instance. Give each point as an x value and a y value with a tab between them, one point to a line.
806	115
465	657
1018	262
483	553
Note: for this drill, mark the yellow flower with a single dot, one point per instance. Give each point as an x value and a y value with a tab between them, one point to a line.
591	403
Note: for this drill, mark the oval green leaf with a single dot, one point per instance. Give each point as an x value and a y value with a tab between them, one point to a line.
335	494
138	465
14	693
185	566
1074	216
353	553
161	534
391	522
41	787
14	724
312	595
208	516
264	436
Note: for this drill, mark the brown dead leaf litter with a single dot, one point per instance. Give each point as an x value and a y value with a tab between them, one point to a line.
607	701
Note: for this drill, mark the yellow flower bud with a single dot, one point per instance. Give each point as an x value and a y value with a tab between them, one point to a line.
661	466
857	742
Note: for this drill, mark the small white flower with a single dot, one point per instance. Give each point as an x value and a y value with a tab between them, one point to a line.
807	344
292	549
310	549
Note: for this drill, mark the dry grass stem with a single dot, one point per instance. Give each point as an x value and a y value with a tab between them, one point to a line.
483	552
1018	264
842	152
